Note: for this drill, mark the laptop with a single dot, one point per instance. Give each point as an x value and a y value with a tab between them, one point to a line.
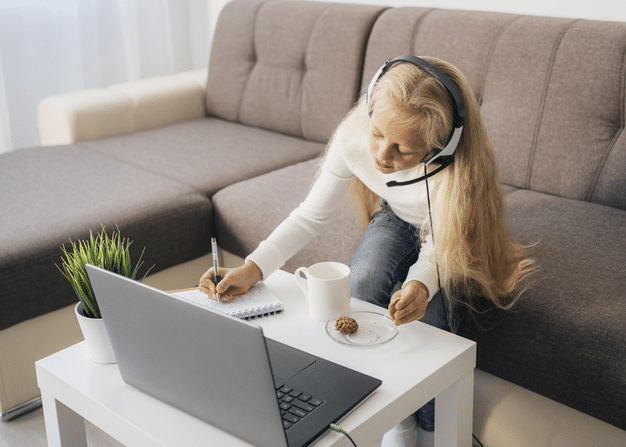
222	369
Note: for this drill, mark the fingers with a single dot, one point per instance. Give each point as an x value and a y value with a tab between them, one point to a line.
405	302
408	304
235	281
406	309
392	309
224	287
408	315
392	305
207	285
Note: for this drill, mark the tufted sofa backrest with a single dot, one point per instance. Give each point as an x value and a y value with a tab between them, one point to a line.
289	67
552	91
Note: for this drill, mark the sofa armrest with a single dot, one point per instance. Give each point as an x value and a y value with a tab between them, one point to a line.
122	108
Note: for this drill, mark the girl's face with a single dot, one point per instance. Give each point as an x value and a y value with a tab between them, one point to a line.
394	147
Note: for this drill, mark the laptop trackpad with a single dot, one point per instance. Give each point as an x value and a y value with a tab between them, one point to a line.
287	361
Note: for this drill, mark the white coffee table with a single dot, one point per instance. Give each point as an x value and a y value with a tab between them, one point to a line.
420	363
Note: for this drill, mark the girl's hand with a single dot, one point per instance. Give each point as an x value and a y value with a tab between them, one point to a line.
234	281
409	303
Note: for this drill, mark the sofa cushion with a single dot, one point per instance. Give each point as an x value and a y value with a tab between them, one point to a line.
206	154
565	338
290	67
462	38
247	212
573	79
52	194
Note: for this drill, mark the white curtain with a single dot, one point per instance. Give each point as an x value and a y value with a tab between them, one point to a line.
56	46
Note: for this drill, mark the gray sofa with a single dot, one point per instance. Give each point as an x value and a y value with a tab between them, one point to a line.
244	151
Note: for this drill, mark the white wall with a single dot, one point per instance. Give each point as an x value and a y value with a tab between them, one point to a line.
588	9
614	10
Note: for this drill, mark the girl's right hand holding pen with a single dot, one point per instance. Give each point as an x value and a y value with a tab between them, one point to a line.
234	281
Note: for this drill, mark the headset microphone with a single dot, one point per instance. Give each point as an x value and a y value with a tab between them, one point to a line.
444	157
444	164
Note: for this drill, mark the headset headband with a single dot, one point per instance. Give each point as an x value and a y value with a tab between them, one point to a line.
443	156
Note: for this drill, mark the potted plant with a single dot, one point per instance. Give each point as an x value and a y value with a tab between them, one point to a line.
110	253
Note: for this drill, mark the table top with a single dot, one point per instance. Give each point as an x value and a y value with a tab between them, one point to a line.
415	366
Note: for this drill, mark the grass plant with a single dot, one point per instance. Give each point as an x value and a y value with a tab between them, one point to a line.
108	252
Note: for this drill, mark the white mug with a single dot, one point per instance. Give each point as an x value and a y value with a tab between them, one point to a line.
326	288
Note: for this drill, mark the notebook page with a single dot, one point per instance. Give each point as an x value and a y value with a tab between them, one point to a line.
257	302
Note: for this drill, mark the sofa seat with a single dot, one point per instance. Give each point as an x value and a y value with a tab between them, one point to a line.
210	154
52	194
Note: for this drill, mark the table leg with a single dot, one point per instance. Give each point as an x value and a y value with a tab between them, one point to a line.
454	412
64	427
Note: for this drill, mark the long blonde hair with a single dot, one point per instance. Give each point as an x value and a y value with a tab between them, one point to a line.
475	250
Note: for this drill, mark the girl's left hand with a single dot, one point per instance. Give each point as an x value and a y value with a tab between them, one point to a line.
409	303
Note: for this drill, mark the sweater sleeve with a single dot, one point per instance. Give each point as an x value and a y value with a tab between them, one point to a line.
307	221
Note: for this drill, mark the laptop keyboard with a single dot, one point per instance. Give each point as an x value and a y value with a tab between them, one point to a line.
294	404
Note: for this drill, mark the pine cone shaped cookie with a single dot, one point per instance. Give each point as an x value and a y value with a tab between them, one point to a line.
346	325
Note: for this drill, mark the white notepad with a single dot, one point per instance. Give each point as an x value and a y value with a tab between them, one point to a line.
258	302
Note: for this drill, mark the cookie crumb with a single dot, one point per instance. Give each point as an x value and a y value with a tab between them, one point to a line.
346	325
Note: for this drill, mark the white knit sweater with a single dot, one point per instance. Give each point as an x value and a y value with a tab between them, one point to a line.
348	155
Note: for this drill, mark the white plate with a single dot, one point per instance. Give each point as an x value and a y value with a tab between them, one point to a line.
374	329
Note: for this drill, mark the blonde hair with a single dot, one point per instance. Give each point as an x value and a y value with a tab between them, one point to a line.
475	250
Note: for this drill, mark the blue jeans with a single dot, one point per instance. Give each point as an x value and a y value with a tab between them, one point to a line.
379	266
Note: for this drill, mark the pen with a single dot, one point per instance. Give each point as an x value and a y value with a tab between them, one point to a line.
216	266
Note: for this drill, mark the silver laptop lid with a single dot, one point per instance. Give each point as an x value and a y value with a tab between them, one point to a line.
210	365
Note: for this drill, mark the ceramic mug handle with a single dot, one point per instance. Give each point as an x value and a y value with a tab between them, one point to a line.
303	282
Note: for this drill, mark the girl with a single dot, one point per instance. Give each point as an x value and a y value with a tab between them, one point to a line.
416	157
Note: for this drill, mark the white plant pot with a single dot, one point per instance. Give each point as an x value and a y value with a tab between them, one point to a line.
96	337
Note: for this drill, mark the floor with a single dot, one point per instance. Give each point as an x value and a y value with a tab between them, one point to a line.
29	431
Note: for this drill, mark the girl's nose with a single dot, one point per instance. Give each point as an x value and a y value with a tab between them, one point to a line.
384	151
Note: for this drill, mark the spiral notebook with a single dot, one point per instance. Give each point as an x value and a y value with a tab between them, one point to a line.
258	302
